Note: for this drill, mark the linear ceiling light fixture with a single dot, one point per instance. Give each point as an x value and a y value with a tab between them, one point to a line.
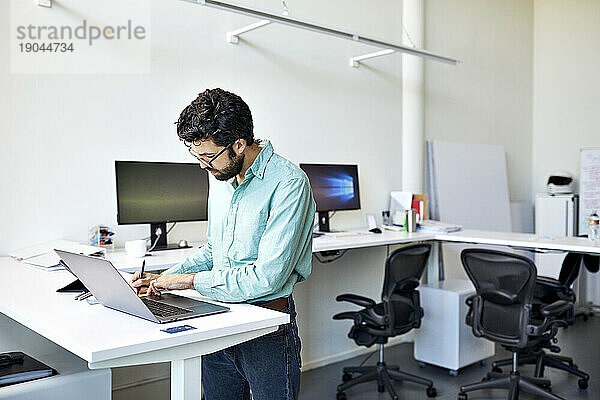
266	18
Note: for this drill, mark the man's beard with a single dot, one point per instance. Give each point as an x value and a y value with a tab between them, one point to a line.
231	170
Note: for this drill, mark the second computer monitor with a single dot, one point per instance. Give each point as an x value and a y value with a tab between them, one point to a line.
334	187
159	192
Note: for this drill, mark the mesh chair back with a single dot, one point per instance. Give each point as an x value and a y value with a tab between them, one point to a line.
504	283
403	271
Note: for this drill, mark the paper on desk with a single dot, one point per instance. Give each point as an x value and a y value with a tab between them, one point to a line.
430	225
43	255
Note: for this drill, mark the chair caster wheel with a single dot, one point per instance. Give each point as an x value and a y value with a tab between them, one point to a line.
340	396
380	388
453	372
462	396
497	370
431	392
482	363
583	384
346	377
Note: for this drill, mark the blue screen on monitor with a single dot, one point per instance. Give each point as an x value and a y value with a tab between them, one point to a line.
334	187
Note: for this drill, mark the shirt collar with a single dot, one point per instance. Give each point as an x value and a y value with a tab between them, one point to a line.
260	163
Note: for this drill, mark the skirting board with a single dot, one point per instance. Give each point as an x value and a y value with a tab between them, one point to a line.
359	350
321	362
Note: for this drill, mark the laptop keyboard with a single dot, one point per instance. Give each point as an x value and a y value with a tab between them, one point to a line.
164	310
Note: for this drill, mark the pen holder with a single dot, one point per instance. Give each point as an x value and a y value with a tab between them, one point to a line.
102	236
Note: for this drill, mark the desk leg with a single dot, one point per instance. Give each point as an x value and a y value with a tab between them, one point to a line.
435	264
185	379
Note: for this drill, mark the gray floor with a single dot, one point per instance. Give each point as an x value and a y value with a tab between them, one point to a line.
579	341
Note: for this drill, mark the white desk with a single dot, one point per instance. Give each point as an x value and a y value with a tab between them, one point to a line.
107	338
326	243
522	241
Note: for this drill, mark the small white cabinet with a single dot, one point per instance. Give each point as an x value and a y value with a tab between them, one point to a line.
444	338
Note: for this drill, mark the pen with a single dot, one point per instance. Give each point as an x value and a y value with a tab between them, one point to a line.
80	295
85	296
142	274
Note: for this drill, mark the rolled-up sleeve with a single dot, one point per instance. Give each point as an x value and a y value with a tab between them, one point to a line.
286	240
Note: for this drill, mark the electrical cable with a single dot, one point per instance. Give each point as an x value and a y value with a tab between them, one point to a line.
171	228
158	233
168	231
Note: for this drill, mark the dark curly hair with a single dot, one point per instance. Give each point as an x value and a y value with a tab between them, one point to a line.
218	115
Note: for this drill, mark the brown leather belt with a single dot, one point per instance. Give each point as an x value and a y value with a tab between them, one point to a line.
276	305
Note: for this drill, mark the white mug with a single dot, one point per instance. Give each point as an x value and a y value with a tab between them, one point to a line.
135	248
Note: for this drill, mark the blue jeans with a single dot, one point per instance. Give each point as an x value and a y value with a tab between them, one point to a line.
268	366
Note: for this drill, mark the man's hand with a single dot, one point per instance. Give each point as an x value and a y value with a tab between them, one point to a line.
140	285
155	283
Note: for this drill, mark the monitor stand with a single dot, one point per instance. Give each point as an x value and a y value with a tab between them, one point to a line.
324	221
162	241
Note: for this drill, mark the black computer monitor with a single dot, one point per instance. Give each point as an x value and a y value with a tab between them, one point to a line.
159	192
334	187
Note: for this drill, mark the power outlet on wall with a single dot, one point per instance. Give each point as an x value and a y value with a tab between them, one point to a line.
44	3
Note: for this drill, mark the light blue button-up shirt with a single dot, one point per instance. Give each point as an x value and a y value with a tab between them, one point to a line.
259	233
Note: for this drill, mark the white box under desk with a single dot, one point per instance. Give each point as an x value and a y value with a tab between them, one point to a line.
444	338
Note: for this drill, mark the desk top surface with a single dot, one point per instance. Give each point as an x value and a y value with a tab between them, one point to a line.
96	333
367	239
522	240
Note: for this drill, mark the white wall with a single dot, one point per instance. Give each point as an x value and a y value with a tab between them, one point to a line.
566	85
60	134
487	98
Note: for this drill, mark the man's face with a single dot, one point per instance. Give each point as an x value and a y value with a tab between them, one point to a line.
223	166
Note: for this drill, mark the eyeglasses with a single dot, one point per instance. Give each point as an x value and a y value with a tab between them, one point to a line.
206	163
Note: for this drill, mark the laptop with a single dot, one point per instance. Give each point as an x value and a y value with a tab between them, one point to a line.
111	290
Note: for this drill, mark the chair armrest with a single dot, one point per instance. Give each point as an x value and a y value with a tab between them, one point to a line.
356	299
499	296
556	308
548	282
346	315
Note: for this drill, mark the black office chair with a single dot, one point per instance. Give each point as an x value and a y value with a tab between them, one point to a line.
399	312
547	291
501	312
